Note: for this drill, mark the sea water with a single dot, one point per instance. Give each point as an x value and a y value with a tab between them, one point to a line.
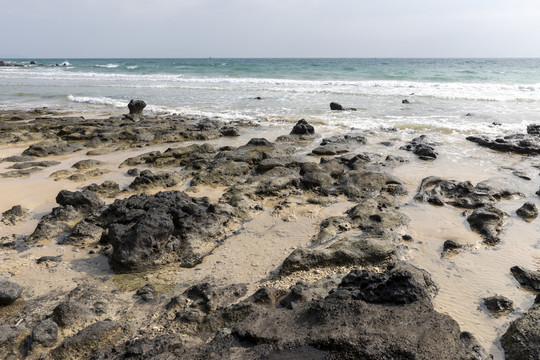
444	95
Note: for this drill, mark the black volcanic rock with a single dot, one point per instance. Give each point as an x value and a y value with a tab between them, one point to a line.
488	222
302	128
9	292
170	226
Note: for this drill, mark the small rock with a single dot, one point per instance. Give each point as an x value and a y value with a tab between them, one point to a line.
47	259
522	175
451	247
13	215
526	277
45	333
229	131
337	106
499	305
528	211
146	292
87	164
405	101
67	313
302	128
9	292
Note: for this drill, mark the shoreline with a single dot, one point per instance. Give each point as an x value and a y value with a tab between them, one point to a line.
286	221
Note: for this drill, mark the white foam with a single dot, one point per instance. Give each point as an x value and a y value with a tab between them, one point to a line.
97	100
108	66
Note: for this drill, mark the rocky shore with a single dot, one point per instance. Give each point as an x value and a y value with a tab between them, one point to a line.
165	237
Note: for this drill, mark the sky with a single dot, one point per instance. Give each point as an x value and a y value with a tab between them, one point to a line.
269	28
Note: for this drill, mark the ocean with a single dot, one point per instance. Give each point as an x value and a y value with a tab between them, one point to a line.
446	96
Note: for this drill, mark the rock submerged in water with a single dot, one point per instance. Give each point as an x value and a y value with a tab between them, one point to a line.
338	107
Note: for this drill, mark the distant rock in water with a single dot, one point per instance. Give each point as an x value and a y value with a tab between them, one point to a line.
405	101
337	106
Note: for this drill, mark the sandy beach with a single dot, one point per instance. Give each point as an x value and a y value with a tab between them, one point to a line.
278	220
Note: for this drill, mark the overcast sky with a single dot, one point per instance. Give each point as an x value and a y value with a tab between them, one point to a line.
269	28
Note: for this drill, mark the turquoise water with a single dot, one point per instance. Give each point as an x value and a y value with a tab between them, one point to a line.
440	91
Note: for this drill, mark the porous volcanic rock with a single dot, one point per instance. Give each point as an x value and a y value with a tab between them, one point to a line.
170	226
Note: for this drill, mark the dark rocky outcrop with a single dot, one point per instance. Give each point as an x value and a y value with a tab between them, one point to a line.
527	278
438	191
526	144
32	164
308	322
402	284
528	211
522	339
108	189
421	147
339	144
136	107
87	164
67	313
48	148
488	222
74	206
9	292
146	231
148	180
84	201
451	247
13	215
87	341
346	251
302	128
499	305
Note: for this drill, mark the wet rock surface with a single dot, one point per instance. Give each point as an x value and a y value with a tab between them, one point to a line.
526	144
421	147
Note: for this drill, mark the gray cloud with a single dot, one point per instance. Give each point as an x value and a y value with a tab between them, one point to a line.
279	28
